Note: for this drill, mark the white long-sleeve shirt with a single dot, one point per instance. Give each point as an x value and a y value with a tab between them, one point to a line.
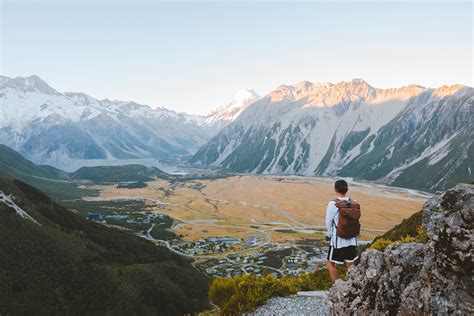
332	219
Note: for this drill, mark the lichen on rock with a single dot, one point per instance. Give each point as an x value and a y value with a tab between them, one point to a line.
418	279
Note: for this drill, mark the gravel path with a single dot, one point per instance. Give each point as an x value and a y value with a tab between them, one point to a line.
294	305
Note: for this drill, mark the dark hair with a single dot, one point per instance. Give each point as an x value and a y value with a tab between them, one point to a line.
341	186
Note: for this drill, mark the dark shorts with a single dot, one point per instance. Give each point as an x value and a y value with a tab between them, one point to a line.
342	255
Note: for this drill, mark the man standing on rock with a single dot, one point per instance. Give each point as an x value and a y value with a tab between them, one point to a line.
343	227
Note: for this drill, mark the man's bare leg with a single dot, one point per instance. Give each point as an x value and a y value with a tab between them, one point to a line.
349	264
332	270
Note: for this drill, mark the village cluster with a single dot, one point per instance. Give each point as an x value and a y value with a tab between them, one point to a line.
131	218
214	245
226	256
274	259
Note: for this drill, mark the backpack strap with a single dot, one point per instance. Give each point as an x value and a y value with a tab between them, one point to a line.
333	222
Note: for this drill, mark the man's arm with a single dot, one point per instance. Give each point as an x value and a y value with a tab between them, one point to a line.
330	218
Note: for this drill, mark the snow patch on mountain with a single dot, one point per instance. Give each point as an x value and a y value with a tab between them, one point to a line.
8	200
434	153
229	112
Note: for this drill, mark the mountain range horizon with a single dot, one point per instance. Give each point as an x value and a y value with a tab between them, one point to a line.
349	128
238	94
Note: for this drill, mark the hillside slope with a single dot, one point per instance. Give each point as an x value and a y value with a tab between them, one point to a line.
59	263
61	185
102	174
54	182
14	163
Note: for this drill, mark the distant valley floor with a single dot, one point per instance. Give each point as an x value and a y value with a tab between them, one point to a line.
204	208
242	217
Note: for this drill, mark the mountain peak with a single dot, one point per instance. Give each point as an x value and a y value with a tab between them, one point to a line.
305	84
230	111
31	83
448	90
355	84
242	96
324	93
359	81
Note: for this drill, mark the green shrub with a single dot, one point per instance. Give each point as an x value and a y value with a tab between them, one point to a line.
245	293
407	227
162	234
381	243
421	235
222	290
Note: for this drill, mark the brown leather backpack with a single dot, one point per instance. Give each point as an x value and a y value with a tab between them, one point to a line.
349	216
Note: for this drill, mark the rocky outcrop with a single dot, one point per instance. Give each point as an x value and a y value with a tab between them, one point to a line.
418	279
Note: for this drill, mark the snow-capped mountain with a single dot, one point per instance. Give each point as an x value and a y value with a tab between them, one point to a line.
410	136
68	129
226	114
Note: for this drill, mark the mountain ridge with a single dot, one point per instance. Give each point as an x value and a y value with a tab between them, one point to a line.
304	129
319	129
72	129
60	129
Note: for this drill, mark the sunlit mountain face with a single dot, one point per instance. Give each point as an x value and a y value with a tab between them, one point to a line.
353	129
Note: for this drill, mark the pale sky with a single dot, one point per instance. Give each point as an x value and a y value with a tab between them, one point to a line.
194	56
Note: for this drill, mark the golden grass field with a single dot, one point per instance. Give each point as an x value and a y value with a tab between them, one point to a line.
257	205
